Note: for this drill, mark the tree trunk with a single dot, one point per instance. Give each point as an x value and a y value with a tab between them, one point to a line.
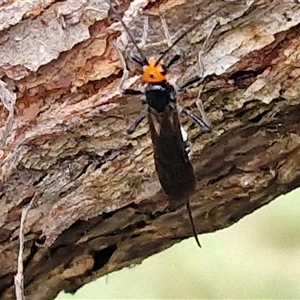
97	203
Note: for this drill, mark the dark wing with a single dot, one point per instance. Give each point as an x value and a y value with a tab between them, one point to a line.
172	165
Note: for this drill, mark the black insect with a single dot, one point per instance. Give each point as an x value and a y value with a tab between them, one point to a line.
175	171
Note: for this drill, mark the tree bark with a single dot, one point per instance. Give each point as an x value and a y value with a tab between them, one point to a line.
97	203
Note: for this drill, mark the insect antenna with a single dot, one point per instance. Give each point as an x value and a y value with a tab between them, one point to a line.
142	55
186	32
188	208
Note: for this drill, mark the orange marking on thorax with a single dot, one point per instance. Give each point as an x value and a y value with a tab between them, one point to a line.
153	73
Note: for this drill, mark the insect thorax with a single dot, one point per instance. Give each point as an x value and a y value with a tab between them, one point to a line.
160	95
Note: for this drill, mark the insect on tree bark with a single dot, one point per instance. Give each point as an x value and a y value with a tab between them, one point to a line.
175	171
98	205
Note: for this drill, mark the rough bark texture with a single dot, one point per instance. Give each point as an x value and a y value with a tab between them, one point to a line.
98	205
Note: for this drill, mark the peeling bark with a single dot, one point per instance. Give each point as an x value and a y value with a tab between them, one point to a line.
98	205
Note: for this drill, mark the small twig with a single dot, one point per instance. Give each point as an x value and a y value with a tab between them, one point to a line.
8	99
19	277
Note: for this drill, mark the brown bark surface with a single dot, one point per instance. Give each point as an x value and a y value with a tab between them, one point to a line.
97	203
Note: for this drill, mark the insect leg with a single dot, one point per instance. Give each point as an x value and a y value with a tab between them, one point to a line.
200	54
165	29
168	38
199	78
125	76
145	32
132	92
202	121
132	128
202	112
